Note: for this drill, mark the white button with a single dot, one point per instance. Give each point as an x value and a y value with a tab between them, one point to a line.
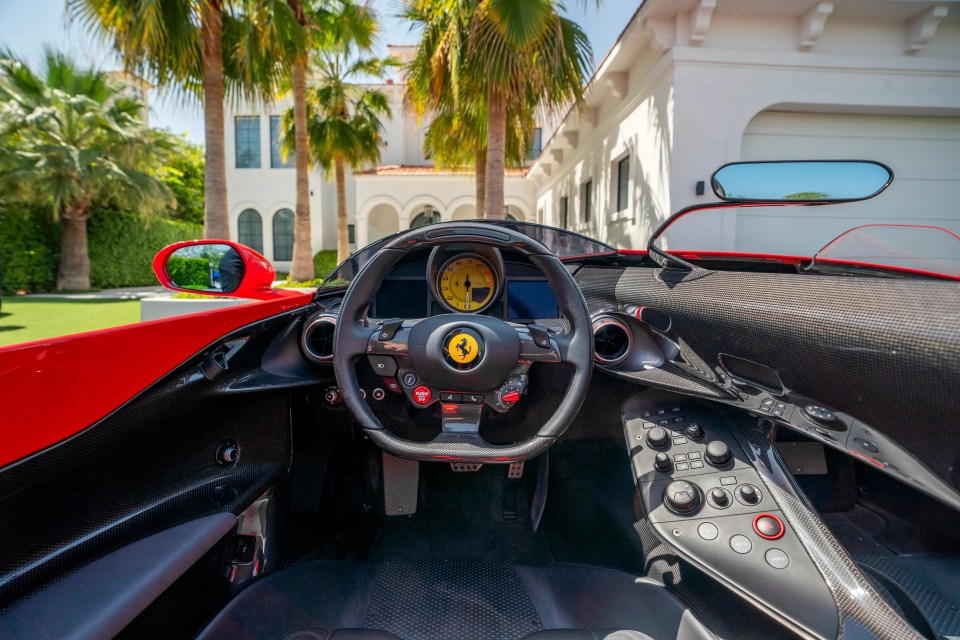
741	544
708	531
777	558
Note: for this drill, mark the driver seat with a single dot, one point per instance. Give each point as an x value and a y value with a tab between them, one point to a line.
446	600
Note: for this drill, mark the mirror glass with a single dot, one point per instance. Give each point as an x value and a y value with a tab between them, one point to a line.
801	181
211	268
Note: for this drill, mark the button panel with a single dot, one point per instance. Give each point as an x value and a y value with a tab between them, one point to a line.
666	429
705	499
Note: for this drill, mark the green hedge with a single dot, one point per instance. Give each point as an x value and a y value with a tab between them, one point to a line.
29	249
324	262
189	273
121	248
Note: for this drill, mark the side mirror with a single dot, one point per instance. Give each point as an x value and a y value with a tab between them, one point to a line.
215	268
801	181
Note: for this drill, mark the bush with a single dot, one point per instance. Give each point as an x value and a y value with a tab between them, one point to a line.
121	247
29	249
189	273
324	262
307	284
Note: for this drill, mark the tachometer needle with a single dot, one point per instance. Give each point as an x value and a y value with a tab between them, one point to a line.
466	283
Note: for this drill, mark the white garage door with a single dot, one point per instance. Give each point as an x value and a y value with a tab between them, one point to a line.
923	152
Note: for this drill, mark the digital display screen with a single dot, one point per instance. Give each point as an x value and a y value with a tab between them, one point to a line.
402	299
531	300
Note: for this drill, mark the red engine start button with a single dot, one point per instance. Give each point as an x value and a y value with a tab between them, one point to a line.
768	526
422	395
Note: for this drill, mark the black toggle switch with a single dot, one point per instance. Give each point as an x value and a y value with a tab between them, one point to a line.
681	496
749	494
719	497
540	335
657	438
662	462
718	453
389	329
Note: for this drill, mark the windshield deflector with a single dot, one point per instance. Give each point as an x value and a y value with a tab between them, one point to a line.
916	249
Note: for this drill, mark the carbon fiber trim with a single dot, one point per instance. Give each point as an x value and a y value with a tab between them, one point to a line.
671	378
913	576
401	481
864	613
895	341
454	599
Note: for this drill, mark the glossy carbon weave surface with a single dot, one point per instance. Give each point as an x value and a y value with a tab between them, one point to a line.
863	612
149	466
881	350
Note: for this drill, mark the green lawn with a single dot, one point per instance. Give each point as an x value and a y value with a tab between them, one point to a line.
26	319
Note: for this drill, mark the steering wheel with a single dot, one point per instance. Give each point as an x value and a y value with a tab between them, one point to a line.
462	361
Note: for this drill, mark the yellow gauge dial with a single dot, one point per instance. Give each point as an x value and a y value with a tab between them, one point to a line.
466	283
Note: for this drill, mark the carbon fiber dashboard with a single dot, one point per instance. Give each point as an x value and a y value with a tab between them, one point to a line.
883	353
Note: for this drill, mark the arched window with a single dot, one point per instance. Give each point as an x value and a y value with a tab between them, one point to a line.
428	216
250	228
283	235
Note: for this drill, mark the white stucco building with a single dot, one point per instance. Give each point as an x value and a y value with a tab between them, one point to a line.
688	86
404	189
693	84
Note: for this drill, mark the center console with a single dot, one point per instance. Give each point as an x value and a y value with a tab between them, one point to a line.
704	499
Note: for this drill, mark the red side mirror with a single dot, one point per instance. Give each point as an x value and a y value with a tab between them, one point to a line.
217	268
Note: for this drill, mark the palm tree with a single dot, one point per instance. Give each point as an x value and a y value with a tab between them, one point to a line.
301	269
457	138
179	43
71	138
288	31
505	52
269	54
343	118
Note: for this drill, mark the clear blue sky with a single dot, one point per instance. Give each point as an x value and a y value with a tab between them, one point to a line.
27	25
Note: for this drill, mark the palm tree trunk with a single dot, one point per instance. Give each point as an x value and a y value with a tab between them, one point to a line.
74	274
343	238
301	269
216	223
480	160
496	148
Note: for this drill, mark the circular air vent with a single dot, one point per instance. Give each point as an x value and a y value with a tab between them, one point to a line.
317	338
611	340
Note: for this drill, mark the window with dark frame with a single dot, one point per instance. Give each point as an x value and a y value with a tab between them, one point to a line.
537	146
586	201
283	235
623	184
247	130
564	211
352	233
276	147
250	229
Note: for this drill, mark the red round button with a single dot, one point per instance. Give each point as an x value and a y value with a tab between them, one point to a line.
768	526
422	395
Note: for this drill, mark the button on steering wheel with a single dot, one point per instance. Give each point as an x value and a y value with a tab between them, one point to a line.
474	357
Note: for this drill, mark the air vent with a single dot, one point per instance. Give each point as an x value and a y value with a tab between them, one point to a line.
317	338
611	341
